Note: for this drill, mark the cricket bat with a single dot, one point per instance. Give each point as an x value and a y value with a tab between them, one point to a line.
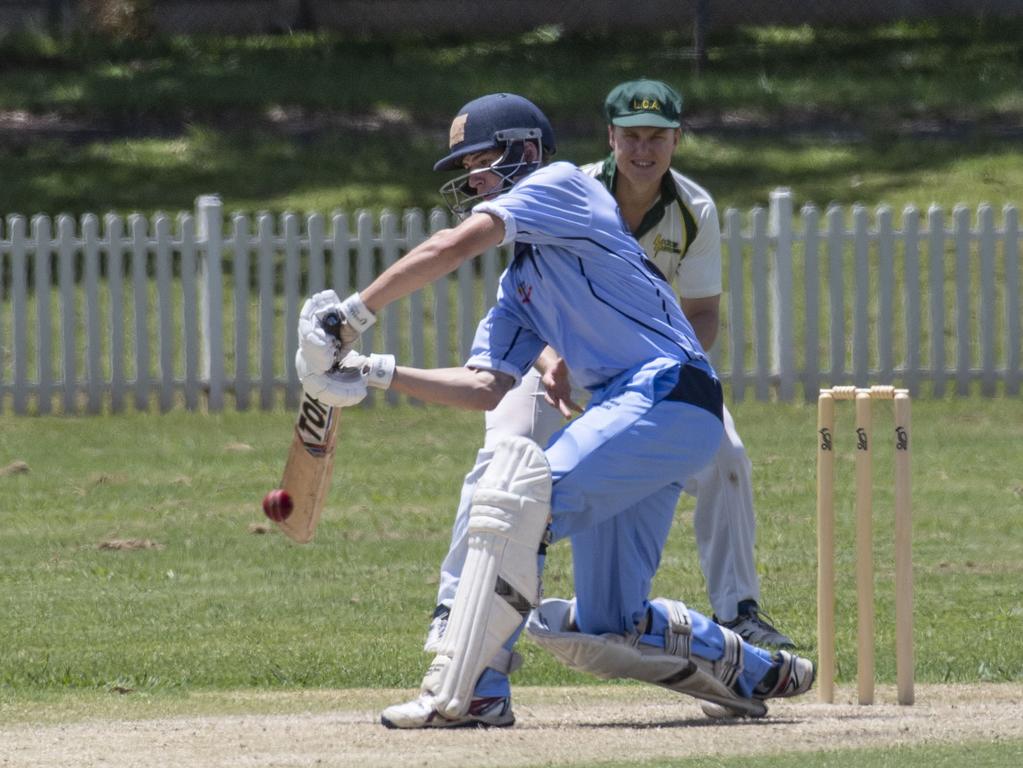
310	465
309	468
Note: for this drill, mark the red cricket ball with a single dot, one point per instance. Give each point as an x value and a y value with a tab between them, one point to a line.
278	504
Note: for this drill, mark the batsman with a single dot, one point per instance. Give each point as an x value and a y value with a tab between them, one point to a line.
608	482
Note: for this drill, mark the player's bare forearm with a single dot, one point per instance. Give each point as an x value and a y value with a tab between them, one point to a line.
475	390
441	254
704	315
706	328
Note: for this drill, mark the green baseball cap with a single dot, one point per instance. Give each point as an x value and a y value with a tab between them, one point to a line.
644	102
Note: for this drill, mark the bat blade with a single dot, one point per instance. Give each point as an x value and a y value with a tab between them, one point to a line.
310	467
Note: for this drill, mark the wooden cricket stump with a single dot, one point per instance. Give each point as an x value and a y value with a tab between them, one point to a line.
863	398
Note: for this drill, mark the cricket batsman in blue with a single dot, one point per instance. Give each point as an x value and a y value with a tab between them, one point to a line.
609	480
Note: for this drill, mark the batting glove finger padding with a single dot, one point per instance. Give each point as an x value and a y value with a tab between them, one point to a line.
340	388
319	349
322	349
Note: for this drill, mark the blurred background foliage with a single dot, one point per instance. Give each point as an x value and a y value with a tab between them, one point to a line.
115	117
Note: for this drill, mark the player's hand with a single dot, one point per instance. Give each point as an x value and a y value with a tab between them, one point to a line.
558	389
324	344
377	370
341	387
321	350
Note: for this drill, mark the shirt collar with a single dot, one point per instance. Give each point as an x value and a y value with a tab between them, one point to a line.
669	194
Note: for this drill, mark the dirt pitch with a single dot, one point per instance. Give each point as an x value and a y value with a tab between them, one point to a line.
557	727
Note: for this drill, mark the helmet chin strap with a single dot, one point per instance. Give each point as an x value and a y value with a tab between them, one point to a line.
511	166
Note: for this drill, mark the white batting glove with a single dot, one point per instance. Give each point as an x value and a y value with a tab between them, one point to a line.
378	370
321	348
340	388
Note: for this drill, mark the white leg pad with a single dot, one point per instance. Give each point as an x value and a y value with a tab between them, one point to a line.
728	668
623	656
499	584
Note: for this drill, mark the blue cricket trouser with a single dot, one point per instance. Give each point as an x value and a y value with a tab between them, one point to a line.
618	470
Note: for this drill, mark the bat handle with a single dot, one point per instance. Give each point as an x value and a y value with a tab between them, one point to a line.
332	323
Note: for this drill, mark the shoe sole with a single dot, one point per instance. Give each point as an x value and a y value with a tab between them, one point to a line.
721	712
446	724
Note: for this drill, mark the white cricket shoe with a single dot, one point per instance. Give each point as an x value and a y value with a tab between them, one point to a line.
484	712
792	676
795	677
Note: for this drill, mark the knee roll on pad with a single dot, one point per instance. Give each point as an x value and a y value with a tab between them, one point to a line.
623	656
499	585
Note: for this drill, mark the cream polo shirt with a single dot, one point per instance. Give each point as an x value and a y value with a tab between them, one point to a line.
680	233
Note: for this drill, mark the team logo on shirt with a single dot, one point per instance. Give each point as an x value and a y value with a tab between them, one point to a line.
664	244
525	292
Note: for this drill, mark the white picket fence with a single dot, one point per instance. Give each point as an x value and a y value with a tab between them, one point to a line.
199	310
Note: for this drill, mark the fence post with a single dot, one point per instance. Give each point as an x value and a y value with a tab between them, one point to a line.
392	320
414	235
42	242
986	310
69	324
365	271
861	296
963	287
291	232
782	348
911	296
760	293
1013	337
209	216
736	305
115	276
16	227
812	302
93	324
240	250
138	236
936	272
884	326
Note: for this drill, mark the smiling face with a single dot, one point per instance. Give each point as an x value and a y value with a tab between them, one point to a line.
643	153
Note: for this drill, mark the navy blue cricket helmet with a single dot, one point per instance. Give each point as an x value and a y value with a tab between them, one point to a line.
501	121
490	122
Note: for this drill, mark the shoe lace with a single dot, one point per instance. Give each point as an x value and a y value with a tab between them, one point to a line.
761	618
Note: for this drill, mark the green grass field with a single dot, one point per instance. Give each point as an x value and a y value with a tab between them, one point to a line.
213	606
208	608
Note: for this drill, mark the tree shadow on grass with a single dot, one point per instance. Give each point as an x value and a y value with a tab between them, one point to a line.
351	169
